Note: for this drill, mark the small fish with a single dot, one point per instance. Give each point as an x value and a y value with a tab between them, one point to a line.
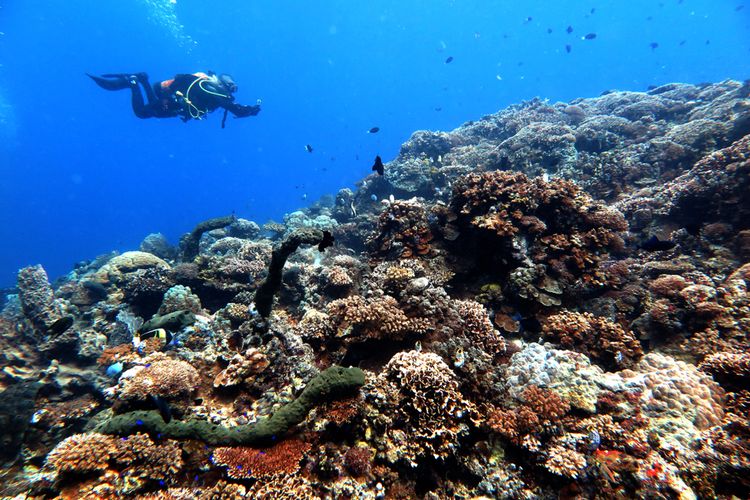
449	60
654	244
569	30
326	242
308	148
653	45
528	20
378	166
438	108
549	31
374	130
164	410
568	48
593	10
159	333
682	42
588	36
739	8
114	369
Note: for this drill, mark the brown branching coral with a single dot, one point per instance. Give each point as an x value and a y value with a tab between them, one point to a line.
123	466
161	376
728	368
540	410
417	394
603	341
404	230
82	453
374	318
282	459
550	225
478	327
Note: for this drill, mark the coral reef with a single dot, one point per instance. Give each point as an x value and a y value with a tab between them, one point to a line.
550	301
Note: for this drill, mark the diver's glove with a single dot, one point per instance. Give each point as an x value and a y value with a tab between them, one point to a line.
243	111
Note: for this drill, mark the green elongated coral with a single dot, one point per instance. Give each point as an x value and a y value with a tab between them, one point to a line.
331	383
272	283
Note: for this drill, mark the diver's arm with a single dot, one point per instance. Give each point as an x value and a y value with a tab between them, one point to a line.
241	110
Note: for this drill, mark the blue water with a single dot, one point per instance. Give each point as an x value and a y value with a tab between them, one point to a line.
81	175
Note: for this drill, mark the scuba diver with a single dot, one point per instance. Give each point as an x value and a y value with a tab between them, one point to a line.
186	95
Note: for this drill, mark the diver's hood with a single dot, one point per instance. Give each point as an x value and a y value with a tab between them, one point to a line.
228	82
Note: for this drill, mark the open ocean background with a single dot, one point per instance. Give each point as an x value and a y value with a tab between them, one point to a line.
81	175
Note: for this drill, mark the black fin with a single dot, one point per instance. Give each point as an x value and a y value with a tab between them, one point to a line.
378	166
164	410
111	81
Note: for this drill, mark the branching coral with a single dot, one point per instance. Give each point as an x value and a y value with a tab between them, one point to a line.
122	466
404	230
552	227
604	342
279	460
161	376
430	413
375	318
731	369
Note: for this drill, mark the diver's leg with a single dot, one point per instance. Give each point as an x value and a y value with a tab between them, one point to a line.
150	94
136	98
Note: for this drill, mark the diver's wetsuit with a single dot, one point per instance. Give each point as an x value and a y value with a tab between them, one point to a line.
186	95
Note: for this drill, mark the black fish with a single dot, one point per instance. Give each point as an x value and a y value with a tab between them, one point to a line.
374	130
326	242
654	244
549	31
588	36
378	166
164	410
653	45
449	60
60	325
569	30
308	148
693	228
96	290
567	48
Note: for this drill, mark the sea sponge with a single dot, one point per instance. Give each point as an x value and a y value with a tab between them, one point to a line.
38	299
332	383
